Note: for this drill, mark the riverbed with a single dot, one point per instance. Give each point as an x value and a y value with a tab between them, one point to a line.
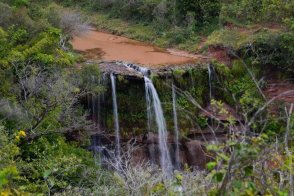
108	47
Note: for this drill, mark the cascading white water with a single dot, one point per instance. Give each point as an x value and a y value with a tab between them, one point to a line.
115	116
154	102
155	112
176	127
149	110
142	70
100	95
209	81
101	101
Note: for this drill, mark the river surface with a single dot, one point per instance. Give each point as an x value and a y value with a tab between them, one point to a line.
109	47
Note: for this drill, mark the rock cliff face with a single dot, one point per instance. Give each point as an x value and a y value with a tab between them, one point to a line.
146	149
132	114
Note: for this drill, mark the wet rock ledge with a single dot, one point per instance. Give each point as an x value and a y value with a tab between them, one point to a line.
131	71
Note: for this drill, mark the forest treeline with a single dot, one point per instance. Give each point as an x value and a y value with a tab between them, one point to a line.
185	12
40	89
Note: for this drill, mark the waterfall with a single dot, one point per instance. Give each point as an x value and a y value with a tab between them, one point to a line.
176	127
209	82
155	112
211	78
101	101
153	100
93	104
115	116
149	109
99	104
137	68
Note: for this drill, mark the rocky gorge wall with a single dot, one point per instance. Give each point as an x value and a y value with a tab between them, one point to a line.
132	113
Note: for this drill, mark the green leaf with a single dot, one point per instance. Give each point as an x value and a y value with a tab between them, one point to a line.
179	177
248	170
232	143
237	184
211	165
212	147
51	181
223	156
46	173
218	176
6	174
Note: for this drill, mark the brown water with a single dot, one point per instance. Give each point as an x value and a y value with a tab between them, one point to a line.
108	47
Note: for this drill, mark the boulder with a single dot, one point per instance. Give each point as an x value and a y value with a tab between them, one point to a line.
195	154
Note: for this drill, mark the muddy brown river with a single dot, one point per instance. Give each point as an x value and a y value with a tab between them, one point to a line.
109	47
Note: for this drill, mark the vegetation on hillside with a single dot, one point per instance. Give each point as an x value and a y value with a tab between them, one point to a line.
41	86
183	24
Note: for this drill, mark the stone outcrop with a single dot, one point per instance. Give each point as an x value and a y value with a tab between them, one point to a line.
146	149
195	154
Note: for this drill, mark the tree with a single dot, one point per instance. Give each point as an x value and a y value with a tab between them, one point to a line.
204	11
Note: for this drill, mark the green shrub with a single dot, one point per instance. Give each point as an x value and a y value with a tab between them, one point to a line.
51	164
238	69
5	14
20	3
272	49
247	11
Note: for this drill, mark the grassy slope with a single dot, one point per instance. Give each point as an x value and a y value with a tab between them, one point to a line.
236	37
231	37
144	32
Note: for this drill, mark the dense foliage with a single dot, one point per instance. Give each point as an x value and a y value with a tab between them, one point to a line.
38	104
182	23
44	129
